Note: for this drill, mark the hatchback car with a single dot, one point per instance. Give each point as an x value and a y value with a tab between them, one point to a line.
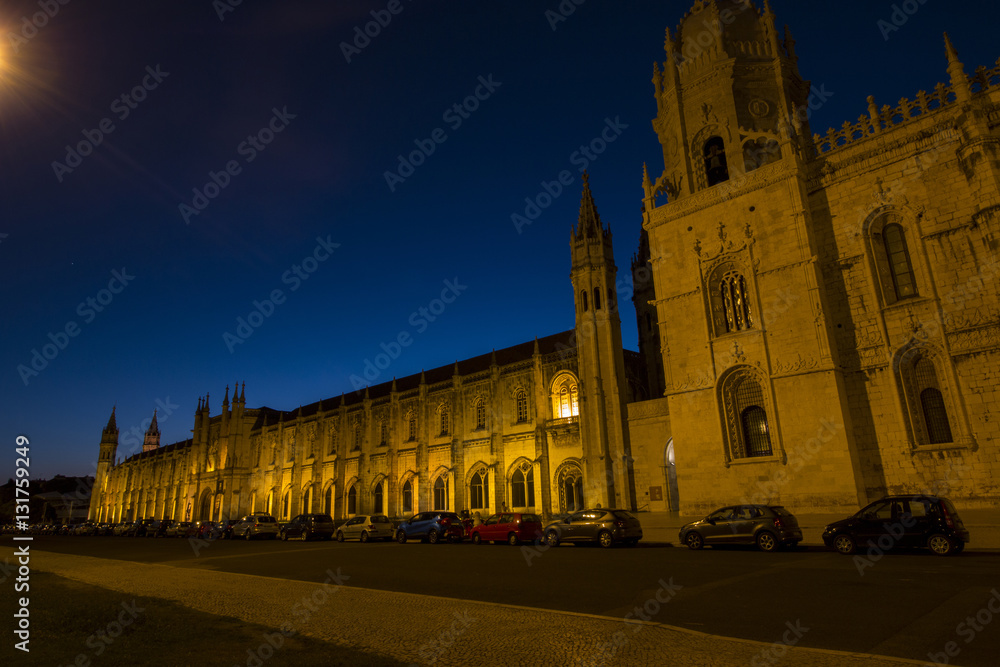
306	526
367	527
512	528
253	525
901	521
606	527
432	526
767	526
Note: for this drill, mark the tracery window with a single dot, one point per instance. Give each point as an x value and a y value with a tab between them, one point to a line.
747	415
522	487
521	405
565	401
478	491
480	413
440	494
927	399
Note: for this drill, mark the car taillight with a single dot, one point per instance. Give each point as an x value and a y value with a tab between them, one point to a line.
778	524
620	524
371	526
947	516
256	525
445	521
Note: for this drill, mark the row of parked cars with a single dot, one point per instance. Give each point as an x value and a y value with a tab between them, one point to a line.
893	521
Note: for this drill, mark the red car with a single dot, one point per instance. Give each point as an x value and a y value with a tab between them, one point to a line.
510	527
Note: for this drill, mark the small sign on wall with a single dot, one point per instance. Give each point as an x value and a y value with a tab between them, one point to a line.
656	493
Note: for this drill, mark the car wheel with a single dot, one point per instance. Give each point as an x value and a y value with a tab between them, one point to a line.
552	538
306	535
284	536
401	537
844	544
605	539
941	545
364	536
766	541
512	540
340	536
694	541
246	536
476	539
432	537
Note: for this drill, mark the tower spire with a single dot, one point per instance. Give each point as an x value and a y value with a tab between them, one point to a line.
956	70
589	222
112	426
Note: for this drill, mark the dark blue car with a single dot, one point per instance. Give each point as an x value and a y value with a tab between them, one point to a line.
431	526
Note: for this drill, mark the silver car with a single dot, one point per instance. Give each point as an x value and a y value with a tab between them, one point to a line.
367	527
767	526
253	525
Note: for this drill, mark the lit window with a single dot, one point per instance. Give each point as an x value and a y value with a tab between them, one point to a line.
565	401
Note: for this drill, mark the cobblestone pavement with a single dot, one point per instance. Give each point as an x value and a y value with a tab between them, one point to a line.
424	630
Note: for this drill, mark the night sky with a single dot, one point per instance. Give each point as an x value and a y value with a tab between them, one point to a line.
136	283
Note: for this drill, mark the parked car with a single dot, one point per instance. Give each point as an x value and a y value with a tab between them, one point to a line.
86	528
366	527
510	527
305	526
158	527
178	529
432	526
122	528
901	521
606	527
226	528
770	527
254	525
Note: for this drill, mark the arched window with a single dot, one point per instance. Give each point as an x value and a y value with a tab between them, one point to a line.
521	404
480	413
729	296
597	298
755	431
573	490
328	501
746	414
352	500
377	499
269	505
285	504
357	435
899	261
307	497
478	491
936	427
440	494
716	168
333	440
565	402
583	299
407	504
445	420
522	487
383	432
411	426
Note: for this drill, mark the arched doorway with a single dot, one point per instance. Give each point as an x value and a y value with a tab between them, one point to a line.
670	475
205	508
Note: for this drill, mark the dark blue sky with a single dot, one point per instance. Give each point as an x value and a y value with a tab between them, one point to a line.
156	335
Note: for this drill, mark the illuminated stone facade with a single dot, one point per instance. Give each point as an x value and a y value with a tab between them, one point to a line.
818	325
828	320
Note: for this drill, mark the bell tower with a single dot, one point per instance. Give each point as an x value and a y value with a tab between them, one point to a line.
603	425
152	438
105	461
729	97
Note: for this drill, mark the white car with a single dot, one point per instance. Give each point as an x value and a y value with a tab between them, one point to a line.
253	525
367	527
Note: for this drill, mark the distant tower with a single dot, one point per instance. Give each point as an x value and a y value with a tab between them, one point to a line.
603	387
105	461
152	439
643	297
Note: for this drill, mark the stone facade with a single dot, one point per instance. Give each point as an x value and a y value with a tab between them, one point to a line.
827	306
818	325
